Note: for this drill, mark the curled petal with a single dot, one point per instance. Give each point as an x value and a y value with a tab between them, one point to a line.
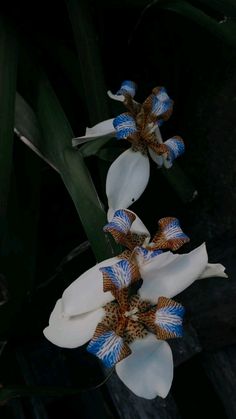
213	270
175	147
86	293
168	274
120	226
125	126
128	87
71	332
170	235
119	275
103	129
127	178
108	346
148	371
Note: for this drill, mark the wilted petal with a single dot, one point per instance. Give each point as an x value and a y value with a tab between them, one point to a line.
103	129
168	274
213	270
71	332
176	147
169	235
127	178
86	293
108	346
148	371
125	126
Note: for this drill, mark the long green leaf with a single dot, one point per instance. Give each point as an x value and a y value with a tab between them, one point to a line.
89	59
55	146
8	71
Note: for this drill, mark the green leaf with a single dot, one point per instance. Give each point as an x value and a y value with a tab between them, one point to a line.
55	146
225	31
8	71
89	59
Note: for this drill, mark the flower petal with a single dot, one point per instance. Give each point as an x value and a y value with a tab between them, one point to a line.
127	178
169	319
148	371
125	126
128	87
108	346
71	332
86	292
169	235
213	270
168	274
103	129
144	255
120	275
176	148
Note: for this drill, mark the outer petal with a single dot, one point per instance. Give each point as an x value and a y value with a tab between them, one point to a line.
168	274
86	293
71	332
103	129
127	178
148	371
213	270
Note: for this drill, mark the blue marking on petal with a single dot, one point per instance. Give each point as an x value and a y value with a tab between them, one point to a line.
124	125
127	86
162	95
108	347
176	148
146	254
170	319
121	222
159	107
119	274
173	230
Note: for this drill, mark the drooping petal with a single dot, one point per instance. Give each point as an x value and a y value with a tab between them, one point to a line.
165	320
71	332
148	371
108	346
125	126
127	178
213	270
120	275
176	148
103	129
168	274
169	235
86	292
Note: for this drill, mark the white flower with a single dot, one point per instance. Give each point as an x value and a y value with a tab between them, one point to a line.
128	175
126	329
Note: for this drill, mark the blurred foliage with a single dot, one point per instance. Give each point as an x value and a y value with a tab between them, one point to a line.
66	61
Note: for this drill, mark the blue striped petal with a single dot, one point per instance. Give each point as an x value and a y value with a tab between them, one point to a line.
169	319
127	87
170	235
108	347
160	107
120	275
121	222
124	125
162	94
146	255
176	147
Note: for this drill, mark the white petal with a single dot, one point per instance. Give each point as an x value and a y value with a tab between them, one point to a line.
169	274
148	371
156	158
103	129
71	332
86	292
213	270
120	98
127	178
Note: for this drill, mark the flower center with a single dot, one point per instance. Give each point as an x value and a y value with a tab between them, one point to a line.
132	314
